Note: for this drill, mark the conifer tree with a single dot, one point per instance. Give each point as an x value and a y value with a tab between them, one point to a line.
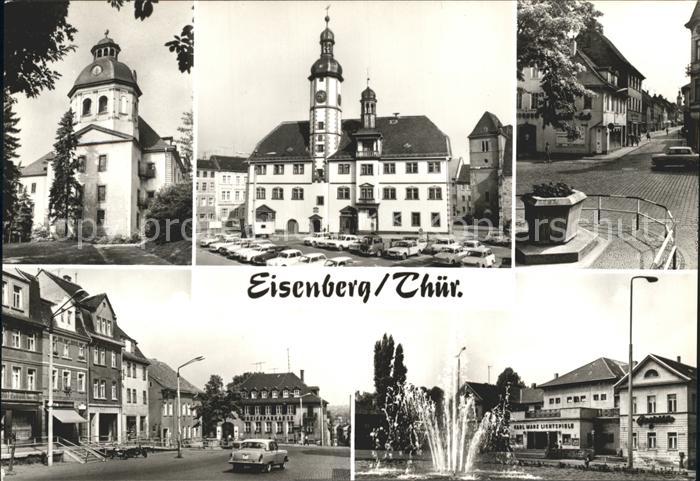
65	201
11	173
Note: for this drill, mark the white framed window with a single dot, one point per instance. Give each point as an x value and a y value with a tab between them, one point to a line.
672	442
434	167
16	377
651	440
16	339
411	167
17	297
31	379
5	293
81	381
66	380
54	379
66	349
103	389
95	389
114	359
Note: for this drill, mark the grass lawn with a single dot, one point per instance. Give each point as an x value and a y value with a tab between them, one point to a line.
178	252
51	252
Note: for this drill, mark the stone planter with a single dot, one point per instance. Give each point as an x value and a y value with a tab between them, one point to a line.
553	220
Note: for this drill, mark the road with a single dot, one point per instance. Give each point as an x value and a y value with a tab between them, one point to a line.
630	175
304	463
206	258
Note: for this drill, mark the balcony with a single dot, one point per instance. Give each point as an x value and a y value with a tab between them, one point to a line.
367	154
20	395
609	413
543	413
143	202
147	170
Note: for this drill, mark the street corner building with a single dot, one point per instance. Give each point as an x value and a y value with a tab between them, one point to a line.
221	193
122	161
383	174
280	406
164	411
86	358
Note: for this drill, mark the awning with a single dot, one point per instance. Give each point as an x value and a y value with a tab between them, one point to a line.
68	416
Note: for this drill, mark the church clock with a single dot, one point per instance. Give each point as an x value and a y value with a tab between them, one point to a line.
321	96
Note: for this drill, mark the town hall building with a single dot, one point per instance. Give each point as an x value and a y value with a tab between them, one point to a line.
372	174
122	161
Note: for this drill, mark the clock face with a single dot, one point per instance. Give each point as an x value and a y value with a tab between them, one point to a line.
96	70
320	96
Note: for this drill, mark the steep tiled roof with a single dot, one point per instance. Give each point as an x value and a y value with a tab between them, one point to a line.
488	394
230	164
607	58
93	302
167	377
602	369
405	136
38	167
207	164
68	286
695	16
685	370
260	380
149	139
488	124
463	174
137	355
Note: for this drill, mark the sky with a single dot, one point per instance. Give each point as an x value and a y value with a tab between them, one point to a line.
440	59
652	36
166	92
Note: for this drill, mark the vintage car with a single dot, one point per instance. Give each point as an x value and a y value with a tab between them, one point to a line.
221	246
472	244
270	253
254	244
339	262
405	248
312	259
230	250
369	245
342	242
312	240
440	243
261	454
450	256
247	254
675	157
324	242
210	239
288	257
479	257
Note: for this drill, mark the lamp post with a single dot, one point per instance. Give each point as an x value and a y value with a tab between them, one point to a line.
630	461
59	311
179	407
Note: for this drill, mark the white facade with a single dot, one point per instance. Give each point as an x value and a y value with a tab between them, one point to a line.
134	393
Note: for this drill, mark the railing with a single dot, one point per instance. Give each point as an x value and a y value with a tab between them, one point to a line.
666	255
543	413
363	154
147	170
80	453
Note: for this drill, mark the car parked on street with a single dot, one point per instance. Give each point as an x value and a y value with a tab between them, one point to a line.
260	454
450	256
368	245
287	257
342	242
342	261
312	259
472	244
221	247
479	257
324	242
404	249
247	254
313	239
210	239
678	156
439	243
231	251
270	253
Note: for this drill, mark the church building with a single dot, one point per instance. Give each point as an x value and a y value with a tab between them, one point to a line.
372	174
123	162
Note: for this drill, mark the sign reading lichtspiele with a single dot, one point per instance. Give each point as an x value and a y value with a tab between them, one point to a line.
406	285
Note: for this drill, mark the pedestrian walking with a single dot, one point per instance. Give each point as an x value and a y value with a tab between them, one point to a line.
547	157
648	136
666	130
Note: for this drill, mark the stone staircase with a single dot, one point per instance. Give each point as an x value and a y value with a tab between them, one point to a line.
78	453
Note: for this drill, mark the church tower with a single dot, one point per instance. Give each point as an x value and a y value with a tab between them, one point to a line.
325	116
106	93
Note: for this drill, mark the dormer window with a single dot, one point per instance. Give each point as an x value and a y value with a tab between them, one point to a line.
274	394
297	392
285	393
263	394
253	395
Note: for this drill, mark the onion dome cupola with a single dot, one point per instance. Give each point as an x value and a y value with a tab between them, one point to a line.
327	65
105	68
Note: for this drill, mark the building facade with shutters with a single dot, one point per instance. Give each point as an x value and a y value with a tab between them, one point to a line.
283	407
664	410
122	161
373	174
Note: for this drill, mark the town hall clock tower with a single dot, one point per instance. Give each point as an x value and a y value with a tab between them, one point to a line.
325	111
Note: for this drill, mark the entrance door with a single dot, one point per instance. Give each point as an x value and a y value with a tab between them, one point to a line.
292	226
527	140
316	225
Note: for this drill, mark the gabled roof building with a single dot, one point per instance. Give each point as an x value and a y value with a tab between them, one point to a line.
374	174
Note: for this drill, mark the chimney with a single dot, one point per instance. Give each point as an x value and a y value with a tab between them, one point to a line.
556	375
301	375
678	359
67	278
396	115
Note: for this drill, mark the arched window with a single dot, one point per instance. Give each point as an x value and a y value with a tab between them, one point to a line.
651	373
102	105
87	106
123	105
111	52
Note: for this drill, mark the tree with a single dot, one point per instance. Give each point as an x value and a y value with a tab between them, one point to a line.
23	218
169	216
546	29
10	145
383	357
216	404
399	371
238	379
186	140
508	381
65	201
29	52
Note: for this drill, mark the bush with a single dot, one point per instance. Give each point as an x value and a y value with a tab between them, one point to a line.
559	189
169	217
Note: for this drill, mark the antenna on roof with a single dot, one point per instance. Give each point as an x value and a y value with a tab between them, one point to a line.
258	365
289	369
489	378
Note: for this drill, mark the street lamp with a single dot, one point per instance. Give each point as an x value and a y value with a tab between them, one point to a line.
179	407
58	312
630	462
